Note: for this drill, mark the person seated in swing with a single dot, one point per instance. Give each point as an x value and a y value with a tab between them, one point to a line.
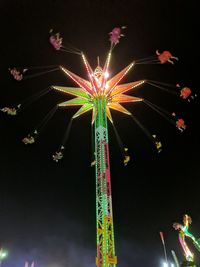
55	40
186	93
58	155
11	111
165	56
30	139
17	74
127	157
158	144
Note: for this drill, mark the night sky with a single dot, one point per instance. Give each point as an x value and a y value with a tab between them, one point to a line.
47	209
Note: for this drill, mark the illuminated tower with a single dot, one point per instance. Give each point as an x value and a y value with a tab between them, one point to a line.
100	94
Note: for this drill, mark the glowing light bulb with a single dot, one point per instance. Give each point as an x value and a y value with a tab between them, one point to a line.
106	74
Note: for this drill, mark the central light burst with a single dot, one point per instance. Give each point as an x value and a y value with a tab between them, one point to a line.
98	86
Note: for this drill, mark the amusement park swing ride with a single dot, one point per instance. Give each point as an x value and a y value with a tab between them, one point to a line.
100	94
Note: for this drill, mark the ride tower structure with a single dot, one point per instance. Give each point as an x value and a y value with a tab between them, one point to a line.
101	94
104	215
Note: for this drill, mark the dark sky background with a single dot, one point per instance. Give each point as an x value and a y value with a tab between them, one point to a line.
47	210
